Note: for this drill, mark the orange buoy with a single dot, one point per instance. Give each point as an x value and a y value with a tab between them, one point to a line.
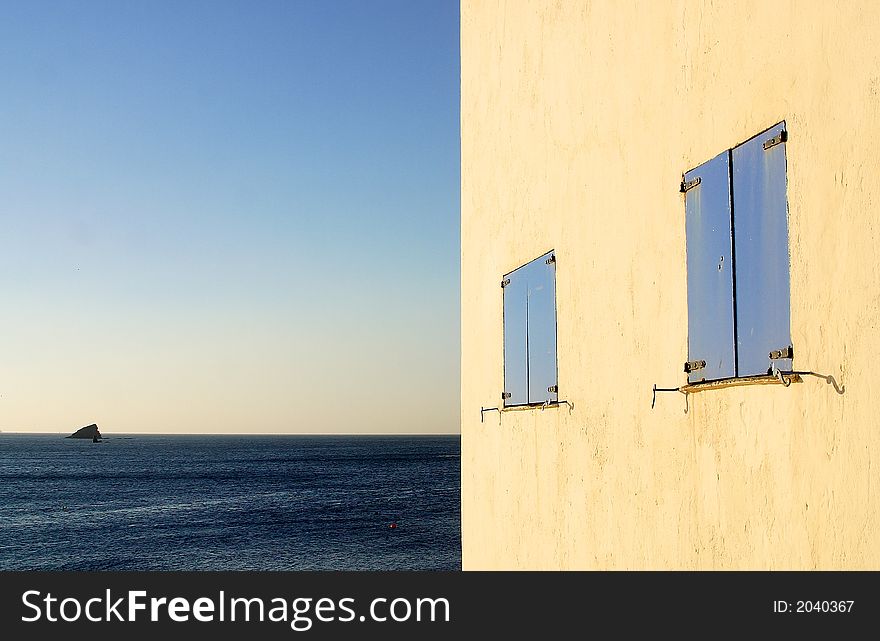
393	526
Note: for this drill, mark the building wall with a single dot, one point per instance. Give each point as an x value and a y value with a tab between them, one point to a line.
577	121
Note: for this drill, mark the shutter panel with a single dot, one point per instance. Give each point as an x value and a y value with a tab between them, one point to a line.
760	214
710	270
541	274
515	337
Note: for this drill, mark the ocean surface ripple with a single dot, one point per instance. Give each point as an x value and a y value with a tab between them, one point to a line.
230	503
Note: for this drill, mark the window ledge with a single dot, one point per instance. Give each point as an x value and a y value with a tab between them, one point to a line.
538	406
767	379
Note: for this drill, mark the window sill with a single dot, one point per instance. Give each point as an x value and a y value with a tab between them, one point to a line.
520	408
767	379
538	406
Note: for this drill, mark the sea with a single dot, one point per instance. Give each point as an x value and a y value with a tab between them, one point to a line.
151	502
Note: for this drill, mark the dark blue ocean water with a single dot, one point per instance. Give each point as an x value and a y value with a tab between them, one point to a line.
229	503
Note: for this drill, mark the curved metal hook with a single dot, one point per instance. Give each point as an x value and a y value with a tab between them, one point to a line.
782	378
829	379
548	403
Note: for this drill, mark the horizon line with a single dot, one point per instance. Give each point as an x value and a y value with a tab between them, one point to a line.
256	433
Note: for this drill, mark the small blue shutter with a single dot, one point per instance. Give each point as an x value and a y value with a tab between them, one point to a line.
530	333
710	270
760	214
516	380
541	275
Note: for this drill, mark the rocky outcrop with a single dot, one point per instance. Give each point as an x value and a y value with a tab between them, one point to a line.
89	431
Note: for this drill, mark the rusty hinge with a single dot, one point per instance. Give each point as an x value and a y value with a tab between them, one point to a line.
779	138
551	260
505	283
785	352
691	366
554	389
690	184
505	395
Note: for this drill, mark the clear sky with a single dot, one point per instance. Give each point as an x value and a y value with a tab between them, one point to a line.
229	216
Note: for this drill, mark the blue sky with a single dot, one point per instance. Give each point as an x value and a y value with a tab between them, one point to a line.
229	216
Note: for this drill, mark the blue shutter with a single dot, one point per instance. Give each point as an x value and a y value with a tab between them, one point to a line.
541	275
530	333
710	270
760	214
515	339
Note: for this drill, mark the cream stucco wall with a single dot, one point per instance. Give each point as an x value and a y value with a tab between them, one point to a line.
577	121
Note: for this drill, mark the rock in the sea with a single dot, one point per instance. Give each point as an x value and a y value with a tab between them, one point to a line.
89	431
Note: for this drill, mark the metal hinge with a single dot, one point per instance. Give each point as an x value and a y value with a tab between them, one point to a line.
785	352
551	260
554	389
779	138
505	395
505	283
690	184
691	366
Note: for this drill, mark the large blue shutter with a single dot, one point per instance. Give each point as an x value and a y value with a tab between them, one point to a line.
710	270
760	214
